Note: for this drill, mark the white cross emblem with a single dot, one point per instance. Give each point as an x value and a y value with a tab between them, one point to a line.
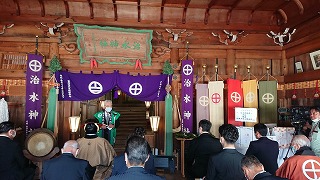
204	101
35	65
250	97
235	97
187	69
95	87
267	98
135	89
313	172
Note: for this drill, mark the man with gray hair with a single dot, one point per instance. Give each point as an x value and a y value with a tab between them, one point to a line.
299	165
253	169
109	120
67	166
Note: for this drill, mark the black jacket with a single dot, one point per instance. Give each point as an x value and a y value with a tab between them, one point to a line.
266	151
199	151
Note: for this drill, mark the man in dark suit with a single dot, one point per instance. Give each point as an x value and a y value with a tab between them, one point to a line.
264	149
254	170
119	163
199	151
226	165
136	155
13	164
67	166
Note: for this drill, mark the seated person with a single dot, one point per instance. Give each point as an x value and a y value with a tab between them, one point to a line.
96	150
254	170
13	164
119	165
136	155
67	166
303	164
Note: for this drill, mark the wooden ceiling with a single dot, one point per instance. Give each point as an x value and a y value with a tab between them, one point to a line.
249	15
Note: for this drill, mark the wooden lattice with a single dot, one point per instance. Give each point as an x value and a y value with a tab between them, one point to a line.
14	61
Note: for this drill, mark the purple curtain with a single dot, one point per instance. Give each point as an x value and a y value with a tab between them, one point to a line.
143	88
79	87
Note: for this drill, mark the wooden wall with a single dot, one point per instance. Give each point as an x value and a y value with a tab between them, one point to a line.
254	50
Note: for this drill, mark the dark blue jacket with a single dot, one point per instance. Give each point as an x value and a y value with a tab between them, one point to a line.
266	151
66	166
135	173
119	165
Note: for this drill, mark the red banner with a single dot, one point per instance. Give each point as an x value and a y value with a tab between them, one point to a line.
235	99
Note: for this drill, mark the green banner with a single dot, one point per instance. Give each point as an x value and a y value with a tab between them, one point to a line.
268	101
52	108
168	124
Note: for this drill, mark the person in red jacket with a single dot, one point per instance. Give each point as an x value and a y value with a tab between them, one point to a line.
304	164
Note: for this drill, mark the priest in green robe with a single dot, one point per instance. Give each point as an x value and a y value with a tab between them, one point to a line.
109	120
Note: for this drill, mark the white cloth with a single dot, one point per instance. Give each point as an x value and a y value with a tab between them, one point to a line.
4	112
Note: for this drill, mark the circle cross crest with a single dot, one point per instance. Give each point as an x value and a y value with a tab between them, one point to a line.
235	97
203	100
216	98
187	69
268	98
250	97
35	65
312	172
135	89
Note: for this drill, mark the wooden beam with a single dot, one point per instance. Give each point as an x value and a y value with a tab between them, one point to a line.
207	14
27	39
231	9
139	11
115	10
304	76
162	10
133	23
302	23
223	47
66	6
16	2
91	9
185	11
283	15
257	6
300	6
43	10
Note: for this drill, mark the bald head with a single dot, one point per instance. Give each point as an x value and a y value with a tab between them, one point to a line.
70	146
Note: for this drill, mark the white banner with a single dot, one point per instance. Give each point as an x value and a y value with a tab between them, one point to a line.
216	105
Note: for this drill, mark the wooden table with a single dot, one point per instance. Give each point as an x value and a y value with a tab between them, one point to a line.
182	140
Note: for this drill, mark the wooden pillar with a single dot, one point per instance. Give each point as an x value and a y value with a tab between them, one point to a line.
53	50
284	63
230	61
174	56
